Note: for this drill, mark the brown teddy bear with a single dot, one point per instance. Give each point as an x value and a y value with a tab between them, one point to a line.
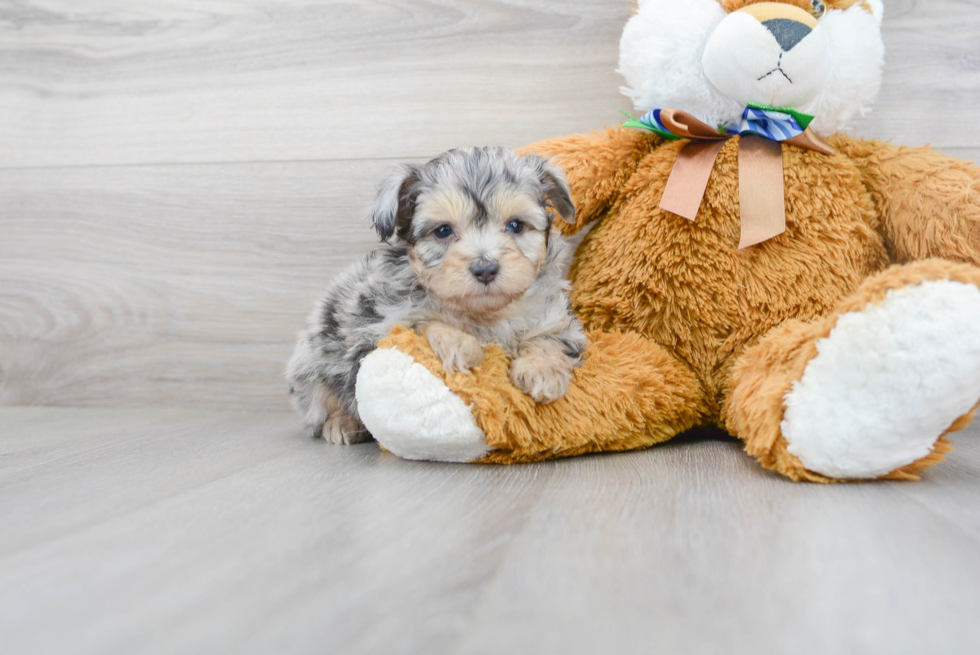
818	298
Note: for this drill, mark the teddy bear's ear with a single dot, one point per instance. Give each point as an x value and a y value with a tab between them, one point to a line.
556	191
394	205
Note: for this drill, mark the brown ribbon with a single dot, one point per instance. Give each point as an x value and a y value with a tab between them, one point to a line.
760	174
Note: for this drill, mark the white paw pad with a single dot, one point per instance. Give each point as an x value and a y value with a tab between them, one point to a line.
887	382
413	413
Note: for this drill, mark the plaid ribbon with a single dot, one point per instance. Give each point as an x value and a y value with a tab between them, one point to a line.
769	122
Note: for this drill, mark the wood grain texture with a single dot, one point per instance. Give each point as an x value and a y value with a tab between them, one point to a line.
932	74
162	531
258	80
169	285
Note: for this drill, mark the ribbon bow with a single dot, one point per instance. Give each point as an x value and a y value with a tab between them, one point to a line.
763	130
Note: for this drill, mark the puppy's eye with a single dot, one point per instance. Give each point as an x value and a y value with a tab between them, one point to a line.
443	231
515	226
817	8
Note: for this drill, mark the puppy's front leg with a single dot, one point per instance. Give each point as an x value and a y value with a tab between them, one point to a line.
457	350
542	369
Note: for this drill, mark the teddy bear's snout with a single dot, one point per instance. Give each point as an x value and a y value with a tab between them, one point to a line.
787	32
787	24
768	53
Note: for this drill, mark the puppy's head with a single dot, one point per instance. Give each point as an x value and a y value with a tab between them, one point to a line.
476	222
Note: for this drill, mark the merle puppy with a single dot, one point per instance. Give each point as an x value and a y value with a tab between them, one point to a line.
474	262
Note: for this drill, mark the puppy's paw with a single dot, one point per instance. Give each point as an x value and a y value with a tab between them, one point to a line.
541	373
344	429
457	350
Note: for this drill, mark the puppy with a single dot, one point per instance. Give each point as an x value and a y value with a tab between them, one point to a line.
473	262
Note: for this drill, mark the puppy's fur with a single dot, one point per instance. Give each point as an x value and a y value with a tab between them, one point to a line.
474	262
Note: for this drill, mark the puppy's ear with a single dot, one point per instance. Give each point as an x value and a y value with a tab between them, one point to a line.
395	204
556	191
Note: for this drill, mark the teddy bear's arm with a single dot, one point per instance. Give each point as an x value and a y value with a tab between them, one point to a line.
929	202
597	167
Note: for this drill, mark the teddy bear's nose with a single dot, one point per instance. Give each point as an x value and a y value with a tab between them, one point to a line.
788	32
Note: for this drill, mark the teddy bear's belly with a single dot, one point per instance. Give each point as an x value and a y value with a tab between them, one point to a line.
686	285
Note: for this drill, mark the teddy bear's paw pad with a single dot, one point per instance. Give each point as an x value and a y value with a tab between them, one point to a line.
413	413
887	382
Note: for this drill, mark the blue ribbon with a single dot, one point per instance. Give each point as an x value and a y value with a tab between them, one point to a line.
770	123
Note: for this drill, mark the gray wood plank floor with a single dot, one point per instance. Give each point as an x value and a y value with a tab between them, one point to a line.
191	531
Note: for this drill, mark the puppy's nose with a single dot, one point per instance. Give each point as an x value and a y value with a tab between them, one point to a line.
485	271
788	32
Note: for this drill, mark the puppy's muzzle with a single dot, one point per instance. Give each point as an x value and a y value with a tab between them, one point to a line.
485	271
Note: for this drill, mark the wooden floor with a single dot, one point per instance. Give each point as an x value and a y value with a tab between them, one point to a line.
179	179
188	531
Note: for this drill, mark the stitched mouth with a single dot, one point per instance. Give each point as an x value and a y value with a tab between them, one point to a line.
777	69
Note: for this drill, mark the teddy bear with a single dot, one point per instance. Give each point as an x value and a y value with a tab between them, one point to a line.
746	266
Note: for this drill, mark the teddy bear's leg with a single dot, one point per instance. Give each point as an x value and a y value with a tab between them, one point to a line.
629	393
871	390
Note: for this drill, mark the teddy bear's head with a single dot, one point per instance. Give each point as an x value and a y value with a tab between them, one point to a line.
712	58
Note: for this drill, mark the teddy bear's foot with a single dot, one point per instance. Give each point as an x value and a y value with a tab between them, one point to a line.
870	391
413	413
887	382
